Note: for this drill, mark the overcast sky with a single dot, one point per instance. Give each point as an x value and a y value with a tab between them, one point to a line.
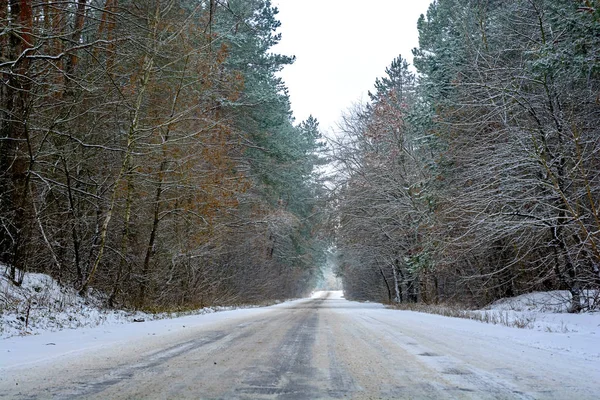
341	46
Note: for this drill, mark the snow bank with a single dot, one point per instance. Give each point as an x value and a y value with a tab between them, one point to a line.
541	311
548	311
40	304
556	301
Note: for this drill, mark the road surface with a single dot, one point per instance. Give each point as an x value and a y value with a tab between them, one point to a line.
318	348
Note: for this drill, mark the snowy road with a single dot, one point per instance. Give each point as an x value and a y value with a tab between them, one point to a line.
318	348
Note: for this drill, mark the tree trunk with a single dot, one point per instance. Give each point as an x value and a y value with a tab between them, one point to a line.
387	285
397	294
14	143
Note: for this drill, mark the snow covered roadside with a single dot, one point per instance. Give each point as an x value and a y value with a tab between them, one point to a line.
555	301
547	324
551	328
41	305
21	351
548	312
540	311
584	343
469	335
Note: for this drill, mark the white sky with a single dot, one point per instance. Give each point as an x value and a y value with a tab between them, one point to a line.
341	46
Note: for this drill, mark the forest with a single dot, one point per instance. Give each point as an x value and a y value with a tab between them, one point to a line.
148	152
475	175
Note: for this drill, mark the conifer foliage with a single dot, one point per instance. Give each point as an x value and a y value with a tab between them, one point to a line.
147	151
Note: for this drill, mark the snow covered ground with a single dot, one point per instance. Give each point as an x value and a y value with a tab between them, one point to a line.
35	321
314	348
41	305
25	350
550	326
547	311
556	301
540	311
569	333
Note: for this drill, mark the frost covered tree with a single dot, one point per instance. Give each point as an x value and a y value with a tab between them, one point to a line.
145	148
500	154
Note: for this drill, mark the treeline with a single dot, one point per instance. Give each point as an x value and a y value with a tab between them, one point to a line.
478	177
147	151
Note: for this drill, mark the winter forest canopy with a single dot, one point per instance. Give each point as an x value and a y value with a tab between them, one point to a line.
148	152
